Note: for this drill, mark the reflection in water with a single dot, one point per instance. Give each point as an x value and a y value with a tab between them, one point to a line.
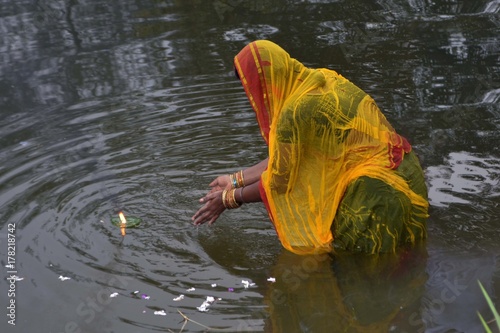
347	293
131	105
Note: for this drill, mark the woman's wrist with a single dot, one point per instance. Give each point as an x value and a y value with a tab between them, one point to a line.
248	176
237	179
229	199
242	200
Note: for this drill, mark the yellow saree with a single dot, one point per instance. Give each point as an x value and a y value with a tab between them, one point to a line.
323	133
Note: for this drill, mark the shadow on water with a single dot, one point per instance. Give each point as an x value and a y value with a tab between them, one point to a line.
133	106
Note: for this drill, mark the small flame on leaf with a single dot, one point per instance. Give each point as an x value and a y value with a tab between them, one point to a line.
124	223
122	218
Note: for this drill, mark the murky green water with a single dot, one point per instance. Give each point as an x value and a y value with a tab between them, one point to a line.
132	105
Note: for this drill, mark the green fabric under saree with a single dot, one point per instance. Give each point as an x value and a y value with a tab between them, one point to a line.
374	217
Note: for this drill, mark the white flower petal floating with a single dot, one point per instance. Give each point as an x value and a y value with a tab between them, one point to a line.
180	297
64	278
247	284
113	295
204	306
214	285
191	289
271	279
160	313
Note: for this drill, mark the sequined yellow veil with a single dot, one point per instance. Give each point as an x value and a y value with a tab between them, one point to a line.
323	132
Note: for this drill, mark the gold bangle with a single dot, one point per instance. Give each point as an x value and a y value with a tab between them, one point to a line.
229	200
242	179
234	204
239	178
224	194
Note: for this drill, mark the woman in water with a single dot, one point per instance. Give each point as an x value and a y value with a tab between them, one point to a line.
337	174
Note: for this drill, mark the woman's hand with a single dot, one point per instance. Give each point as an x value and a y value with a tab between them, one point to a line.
220	183
212	208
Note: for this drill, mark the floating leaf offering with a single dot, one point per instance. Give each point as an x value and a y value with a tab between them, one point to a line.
132	222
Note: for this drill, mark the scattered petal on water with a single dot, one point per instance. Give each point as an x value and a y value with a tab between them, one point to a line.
230	289
113	295
214	285
204	306
180	297
64	278
247	284
144	296
160	313
191	289
271	279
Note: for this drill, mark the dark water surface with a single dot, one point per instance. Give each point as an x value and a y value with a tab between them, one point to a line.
132	105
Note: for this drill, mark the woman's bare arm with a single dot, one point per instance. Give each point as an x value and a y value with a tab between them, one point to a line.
253	173
249	193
